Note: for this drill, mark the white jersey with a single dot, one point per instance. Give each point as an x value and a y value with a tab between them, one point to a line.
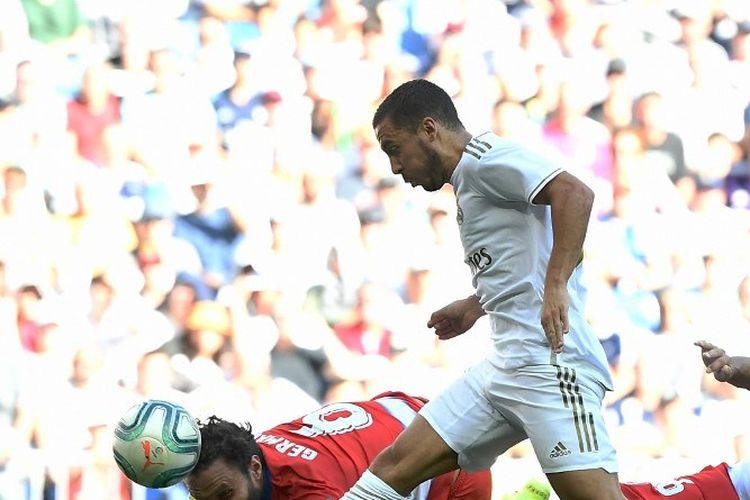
740	476
507	242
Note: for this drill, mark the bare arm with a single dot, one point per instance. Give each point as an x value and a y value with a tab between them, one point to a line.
732	369
456	318
570	201
741	379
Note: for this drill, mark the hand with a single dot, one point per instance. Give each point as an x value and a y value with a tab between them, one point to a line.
455	318
717	361
555	315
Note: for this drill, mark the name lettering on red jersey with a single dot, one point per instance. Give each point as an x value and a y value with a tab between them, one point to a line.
286	447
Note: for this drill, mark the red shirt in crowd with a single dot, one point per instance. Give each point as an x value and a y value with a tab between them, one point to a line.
359	339
89	127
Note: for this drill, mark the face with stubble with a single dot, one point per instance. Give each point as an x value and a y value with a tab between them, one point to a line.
222	481
413	154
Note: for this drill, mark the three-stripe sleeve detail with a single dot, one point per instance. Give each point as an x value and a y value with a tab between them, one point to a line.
472	153
476	148
482	143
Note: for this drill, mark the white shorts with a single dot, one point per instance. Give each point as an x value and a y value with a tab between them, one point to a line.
488	410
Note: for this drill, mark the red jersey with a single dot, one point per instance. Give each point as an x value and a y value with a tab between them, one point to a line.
89	128
712	483
322	454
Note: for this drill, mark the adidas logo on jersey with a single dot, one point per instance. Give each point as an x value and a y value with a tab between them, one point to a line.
559	451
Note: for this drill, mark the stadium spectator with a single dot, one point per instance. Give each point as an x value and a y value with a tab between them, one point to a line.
323	224
58	24
162	258
237	103
366	333
41	109
585	143
28	299
92	111
511	120
616	111
207	338
270	399
211	227
662	146
156	379
668	402
177	306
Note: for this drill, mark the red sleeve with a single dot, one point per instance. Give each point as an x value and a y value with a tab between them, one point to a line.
712	483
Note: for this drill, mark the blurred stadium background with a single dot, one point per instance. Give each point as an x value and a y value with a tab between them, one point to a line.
193	207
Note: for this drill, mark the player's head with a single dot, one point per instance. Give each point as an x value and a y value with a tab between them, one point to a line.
410	125
230	466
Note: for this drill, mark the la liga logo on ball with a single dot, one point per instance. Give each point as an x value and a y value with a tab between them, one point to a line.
158	451
156	443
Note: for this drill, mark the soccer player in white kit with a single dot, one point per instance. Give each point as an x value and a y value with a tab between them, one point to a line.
522	222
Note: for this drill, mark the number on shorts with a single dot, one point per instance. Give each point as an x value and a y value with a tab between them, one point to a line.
672	488
335	418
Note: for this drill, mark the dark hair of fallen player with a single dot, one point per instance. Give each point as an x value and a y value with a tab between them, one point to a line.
230	442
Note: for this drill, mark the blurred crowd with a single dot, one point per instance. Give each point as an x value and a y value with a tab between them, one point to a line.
193	207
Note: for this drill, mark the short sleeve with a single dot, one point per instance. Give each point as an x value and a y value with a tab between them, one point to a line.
516	174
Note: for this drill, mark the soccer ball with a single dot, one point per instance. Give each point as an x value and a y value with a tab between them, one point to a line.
156	443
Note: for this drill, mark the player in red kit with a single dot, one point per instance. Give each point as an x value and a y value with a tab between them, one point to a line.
316	457
722	482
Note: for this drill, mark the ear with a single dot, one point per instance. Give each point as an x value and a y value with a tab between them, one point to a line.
256	469
429	126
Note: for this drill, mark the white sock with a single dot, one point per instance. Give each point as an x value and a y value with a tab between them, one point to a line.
371	487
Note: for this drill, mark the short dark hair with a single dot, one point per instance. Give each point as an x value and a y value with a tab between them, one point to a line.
233	443
100	279
414	100
30	289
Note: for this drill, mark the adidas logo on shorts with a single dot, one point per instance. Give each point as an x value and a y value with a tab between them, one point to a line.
559	451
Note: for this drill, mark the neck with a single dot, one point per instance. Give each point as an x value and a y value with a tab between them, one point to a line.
454	149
